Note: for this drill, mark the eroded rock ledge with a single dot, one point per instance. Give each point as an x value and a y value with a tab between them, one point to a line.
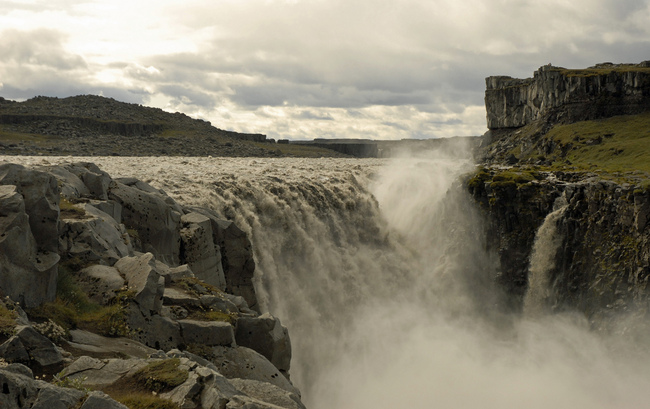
165	282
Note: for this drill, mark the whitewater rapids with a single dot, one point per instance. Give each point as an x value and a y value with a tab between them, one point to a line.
378	269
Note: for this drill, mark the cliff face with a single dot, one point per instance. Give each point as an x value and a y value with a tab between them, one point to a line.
601	265
601	91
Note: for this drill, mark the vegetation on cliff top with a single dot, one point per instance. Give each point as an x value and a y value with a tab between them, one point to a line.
604	70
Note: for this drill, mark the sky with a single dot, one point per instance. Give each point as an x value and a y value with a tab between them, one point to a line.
304	69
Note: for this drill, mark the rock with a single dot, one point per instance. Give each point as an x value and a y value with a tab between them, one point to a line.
204	388
96	180
52	397
40	349
236	256
266	335
18	391
100	400
26	275
268	393
156	221
97	344
71	186
209	333
199	251
155	331
100	283
95	238
244	363
174	296
41	198
512	103
142	278
110	207
175	274
99	374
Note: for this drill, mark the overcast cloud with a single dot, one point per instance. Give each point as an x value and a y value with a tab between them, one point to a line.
309	68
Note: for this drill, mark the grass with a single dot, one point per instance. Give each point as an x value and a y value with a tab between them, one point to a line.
73	309
140	390
69	211
10	136
7	322
617	144
591	72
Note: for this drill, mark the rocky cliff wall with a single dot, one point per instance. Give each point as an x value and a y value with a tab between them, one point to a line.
602	264
601	91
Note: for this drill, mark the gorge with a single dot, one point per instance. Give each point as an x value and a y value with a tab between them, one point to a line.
426	280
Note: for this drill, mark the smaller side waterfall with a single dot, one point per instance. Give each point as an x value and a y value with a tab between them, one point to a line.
542	260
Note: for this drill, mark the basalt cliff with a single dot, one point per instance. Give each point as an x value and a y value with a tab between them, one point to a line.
575	142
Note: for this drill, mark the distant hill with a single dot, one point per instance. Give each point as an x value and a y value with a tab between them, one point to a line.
90	125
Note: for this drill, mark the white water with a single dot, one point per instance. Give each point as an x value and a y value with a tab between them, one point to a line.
542	260
377	269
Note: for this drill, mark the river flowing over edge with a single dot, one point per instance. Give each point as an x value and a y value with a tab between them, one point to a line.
378	270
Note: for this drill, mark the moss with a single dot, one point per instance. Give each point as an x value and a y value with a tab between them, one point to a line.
69	211
73	309
201	315
161	376
7	321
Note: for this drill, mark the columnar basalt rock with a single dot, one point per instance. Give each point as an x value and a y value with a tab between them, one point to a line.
602	91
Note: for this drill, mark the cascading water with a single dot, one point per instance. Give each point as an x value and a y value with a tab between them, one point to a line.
542	260
378	269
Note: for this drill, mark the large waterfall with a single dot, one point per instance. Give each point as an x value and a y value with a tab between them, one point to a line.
378	269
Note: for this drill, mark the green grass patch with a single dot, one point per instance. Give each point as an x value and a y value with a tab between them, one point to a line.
68	210
617	144
137	391
7	322
73	309
592	72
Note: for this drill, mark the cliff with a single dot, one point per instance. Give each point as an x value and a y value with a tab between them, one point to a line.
575	142
109	285
601	91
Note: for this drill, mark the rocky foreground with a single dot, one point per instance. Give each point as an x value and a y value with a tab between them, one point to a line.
113	292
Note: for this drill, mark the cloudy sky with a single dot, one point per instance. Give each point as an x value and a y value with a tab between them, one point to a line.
303	69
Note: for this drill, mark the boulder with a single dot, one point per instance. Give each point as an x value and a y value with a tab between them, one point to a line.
156	221
94	238
71	186
96	180
199	251
244	363
266	335
142	277
100	400
268	393
41	198
155	331
100	283
27	275
236	256
96	344
208	333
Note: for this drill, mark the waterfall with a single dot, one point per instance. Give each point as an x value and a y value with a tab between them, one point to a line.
542	260
378	269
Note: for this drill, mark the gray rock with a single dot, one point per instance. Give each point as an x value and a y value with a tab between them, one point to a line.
246	402
93	343
41	350
26	275
96	180
209	333
175	274
141	276
110	207
18	391
89	372
244	363
41	197
100	400
100	283
199	250
71	186
95	238
155	331
236	256
174	296
266	335
268	393
156	221
52	397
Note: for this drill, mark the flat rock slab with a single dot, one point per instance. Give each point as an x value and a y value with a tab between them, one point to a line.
93	343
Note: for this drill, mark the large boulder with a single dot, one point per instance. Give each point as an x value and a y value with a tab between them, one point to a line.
101	283
27	275
236	256
95	237
154	216
28	346
96	180
199	251
266	335
143	279
41	196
